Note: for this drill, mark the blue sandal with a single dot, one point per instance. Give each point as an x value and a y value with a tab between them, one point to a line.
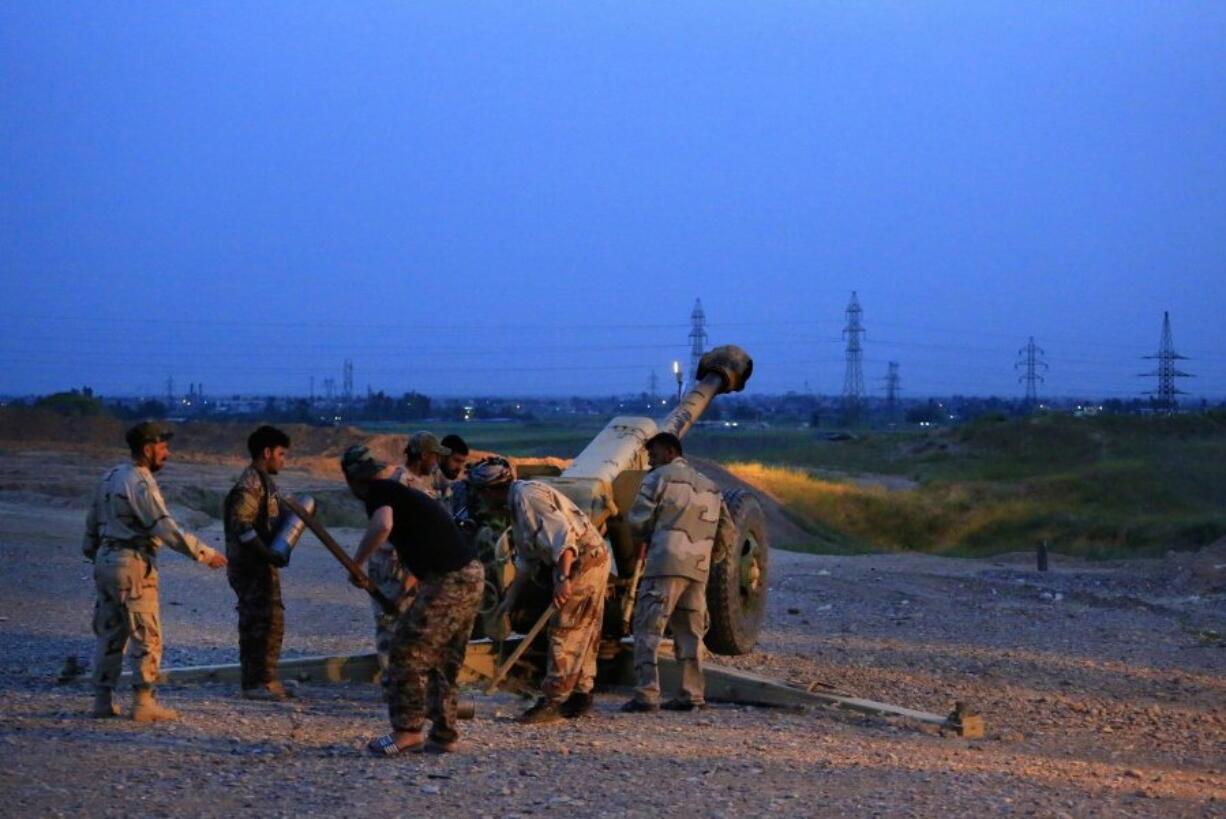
386	746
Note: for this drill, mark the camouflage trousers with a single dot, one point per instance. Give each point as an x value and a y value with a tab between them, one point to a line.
679	603
126	617
261	620
388	575
428	650
574	635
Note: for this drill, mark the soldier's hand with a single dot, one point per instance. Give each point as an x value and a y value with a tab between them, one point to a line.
561	593
216	561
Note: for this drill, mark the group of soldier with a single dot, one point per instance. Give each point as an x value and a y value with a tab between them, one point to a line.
425	568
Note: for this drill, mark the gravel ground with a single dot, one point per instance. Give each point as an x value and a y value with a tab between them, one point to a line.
1102	686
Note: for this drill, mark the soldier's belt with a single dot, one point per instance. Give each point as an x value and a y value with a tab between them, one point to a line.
142	549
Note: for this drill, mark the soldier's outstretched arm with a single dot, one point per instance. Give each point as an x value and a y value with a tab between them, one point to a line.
554	530
149	506
642	514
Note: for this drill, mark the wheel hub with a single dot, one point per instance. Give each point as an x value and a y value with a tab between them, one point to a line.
751	572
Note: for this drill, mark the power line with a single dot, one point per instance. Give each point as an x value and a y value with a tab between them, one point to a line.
1032	359
853	376
1167	370
698	339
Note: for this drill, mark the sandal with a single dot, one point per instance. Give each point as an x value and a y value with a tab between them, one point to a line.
386	746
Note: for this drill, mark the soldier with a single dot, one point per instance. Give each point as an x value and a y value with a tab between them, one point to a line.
448	479
421	458
384	567
126	525
679	512
252	517
428	646
554	538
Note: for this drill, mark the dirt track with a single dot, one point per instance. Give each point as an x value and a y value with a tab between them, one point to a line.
1102	686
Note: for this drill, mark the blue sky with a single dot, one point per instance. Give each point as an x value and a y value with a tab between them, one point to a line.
528	197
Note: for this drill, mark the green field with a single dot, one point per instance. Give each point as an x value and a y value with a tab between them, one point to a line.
1100	487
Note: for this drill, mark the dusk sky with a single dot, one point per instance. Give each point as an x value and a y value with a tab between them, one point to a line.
526	198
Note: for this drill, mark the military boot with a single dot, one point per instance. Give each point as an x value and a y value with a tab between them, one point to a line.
147	709
271	692
104	705
543	711
576	705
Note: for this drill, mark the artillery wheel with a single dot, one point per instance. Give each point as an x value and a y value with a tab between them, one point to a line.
736	591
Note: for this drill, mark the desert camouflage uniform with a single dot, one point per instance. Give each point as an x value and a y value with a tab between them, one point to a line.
545	524
422	483
679	511
389	576
125	526
445	489
427	651
252	516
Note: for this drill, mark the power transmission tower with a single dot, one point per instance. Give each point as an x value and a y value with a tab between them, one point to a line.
853	378
698	338
1167	370
329	389
170	393
892	386
653	385
347	383
1031	357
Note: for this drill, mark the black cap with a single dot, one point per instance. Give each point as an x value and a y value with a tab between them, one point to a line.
148	432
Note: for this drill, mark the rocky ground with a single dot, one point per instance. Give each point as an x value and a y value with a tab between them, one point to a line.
1102	686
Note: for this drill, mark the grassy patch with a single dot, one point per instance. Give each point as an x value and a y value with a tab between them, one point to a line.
1100	488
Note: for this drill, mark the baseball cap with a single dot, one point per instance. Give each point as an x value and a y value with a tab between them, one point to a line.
148	432
423	442
358	463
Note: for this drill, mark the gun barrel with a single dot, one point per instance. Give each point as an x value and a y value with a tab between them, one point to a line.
619	446
723	369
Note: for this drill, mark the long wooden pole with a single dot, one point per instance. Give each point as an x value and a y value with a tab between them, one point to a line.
359	577
521	648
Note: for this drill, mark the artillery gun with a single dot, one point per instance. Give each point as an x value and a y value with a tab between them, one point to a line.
603	481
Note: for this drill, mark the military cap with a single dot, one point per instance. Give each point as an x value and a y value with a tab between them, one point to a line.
492	471
359	464
148	432
422	442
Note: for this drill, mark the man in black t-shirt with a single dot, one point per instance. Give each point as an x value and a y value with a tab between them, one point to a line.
428	647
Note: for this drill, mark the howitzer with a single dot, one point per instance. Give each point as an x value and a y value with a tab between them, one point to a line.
604	479
356	574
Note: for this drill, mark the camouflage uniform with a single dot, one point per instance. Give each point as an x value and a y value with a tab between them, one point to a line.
428	649
389	576
679	511
125	526
545	524
444	489
252	516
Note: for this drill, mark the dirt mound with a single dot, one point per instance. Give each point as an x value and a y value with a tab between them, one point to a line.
783	530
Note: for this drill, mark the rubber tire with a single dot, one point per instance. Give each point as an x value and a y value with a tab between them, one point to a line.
736	620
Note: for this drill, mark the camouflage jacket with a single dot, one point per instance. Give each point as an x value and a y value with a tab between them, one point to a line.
678	512
445	489
128	512
251	516
545	523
